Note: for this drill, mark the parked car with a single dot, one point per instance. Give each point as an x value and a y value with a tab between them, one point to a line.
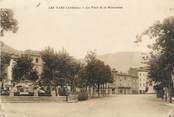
26	93
44	91
4	92
23	91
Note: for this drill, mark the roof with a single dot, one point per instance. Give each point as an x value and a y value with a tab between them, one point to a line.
32	53
123	74
143	69
140	69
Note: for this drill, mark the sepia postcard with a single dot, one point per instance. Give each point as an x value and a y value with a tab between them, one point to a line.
87	58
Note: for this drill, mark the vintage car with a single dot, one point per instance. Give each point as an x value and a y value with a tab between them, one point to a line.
44	91
24	90
25	93
4	92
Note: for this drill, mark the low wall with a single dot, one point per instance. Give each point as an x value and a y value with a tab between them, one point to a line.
31	99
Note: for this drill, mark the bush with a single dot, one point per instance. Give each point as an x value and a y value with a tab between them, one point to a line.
83	95
160	93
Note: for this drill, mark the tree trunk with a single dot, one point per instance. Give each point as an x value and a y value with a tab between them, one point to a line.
86	88
73	86
49	86
55	88
104	89
93	90
165	93
170	97
89	91
170	91
98	88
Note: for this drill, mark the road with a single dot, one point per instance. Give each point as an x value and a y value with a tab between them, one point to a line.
115	106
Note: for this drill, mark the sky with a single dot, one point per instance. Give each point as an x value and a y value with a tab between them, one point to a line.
81	30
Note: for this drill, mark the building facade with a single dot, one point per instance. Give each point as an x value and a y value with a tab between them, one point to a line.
144	83
36	60
124	83
142	77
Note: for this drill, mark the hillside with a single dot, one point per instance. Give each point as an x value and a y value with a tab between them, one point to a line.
122	61
7	49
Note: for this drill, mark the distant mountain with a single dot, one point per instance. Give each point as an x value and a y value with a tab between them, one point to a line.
122	61
7	49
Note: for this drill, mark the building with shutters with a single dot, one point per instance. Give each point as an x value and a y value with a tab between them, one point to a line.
124	83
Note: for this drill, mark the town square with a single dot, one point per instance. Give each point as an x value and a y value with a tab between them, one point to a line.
115	106
90	58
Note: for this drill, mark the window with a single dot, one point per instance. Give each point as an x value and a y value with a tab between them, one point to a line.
37	60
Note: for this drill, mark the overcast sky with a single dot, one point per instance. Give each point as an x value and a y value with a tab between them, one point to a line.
106	31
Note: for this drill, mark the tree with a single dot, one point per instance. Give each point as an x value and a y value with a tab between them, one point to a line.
59	68
48	56
162	55
7	22
5	61
74	69
23	70
97	72
82	80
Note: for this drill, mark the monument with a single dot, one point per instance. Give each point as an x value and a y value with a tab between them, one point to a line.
10	71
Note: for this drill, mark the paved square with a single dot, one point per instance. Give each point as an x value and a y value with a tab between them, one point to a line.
115	106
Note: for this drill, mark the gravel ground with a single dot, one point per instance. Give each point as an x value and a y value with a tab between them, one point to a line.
115	106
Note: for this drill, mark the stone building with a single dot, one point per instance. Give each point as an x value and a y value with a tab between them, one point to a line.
37	60
144	83
143	80
124	83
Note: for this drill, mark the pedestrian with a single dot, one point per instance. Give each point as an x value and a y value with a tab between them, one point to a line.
67	92
162	94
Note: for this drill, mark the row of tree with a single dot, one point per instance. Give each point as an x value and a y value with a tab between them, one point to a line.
60	69
161	61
